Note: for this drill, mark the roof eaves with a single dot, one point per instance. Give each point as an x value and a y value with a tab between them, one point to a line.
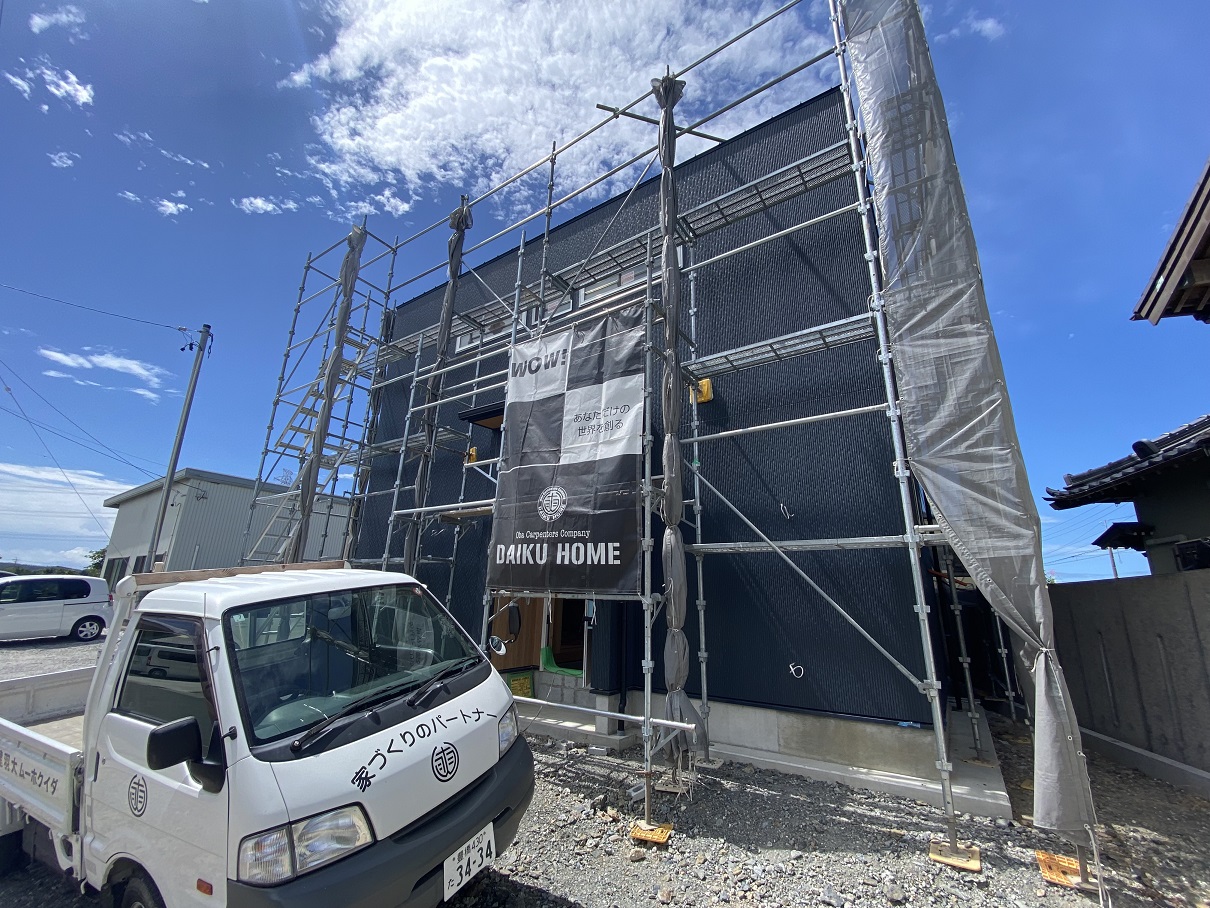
1190	234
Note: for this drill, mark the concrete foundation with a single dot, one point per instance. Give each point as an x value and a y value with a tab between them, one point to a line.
876	756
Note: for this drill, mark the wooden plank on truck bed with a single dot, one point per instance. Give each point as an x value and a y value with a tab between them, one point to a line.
162	578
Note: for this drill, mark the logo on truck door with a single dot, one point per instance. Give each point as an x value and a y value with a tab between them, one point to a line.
445	762
136	796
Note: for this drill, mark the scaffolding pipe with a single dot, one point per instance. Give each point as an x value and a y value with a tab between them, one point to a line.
686	727
451	506
931	687
699	558
776	549
403	453
460	220
245	551
785	423
308	476
648	507
972	711
810	222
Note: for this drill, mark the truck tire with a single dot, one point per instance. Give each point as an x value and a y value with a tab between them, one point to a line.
87	629
11	856
140	892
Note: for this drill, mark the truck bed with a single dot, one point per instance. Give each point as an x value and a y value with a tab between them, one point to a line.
40	749
68	731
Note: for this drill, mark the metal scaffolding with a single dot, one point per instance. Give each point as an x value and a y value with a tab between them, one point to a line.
375	363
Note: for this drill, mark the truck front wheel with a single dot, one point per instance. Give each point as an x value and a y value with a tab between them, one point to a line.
11	855
140	892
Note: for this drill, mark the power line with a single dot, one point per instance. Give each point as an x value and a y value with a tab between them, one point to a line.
76	441
129	318
113	453
51	455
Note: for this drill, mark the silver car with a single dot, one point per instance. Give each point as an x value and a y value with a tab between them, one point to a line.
46	605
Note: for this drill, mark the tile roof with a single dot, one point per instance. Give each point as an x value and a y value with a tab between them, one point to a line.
1115	481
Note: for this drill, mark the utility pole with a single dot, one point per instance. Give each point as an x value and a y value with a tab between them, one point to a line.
1112	561
202	341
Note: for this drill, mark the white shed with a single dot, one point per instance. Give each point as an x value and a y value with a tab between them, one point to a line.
205	524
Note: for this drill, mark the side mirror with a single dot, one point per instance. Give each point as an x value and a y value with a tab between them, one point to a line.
180	741
497	645
175	742
514	619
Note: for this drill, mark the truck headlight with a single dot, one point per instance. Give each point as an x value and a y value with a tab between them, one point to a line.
278	855
265	859
329	836
508	728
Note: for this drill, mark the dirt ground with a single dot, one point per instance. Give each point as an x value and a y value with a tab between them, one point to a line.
772	839
1154	838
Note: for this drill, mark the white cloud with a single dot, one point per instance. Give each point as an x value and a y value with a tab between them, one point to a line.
69	17
20	84
63	158
454	93
179	194
51	373
256	205
169	208
989	28
71	360
181	159
64	85
143	392
144	140
148	373
129	196
42	520
392	204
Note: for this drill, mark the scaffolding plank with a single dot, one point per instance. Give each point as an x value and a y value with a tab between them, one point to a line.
811	545
788	346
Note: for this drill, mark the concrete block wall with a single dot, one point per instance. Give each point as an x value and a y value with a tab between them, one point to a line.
1136	653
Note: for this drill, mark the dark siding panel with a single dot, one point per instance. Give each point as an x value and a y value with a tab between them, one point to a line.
834	478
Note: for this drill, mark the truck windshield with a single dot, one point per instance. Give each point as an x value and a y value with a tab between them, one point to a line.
299	661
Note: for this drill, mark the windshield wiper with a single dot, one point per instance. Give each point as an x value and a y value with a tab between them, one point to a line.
364	703
444	675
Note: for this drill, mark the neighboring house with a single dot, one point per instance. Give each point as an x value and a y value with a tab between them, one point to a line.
1136	649
1181	283
205	524
1168	481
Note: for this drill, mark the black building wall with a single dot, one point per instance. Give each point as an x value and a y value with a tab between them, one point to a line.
833	479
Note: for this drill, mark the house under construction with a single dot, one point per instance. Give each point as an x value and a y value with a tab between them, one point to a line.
821	434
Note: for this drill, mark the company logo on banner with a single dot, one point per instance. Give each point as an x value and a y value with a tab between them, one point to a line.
566	515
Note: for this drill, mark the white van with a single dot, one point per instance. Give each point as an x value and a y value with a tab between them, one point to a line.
50	605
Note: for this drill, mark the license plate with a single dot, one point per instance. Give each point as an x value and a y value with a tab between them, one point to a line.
468	860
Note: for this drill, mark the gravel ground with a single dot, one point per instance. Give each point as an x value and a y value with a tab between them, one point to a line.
21	658
745	835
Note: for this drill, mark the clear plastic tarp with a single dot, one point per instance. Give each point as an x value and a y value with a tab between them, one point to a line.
961	439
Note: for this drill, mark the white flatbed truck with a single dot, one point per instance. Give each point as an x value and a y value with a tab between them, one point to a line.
300	736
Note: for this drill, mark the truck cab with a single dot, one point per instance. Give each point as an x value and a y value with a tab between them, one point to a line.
277	738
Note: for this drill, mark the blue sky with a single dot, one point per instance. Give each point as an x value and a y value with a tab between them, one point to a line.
175	161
